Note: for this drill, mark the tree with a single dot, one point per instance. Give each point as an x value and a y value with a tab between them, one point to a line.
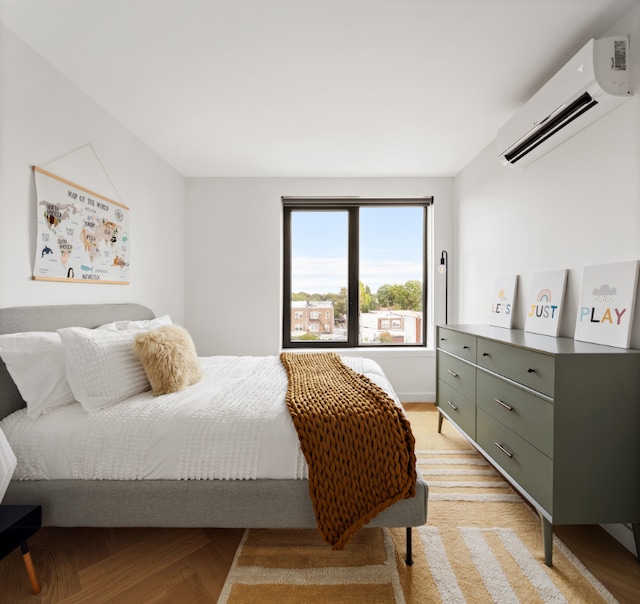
396	297
306	336
401	297
390	296
413	299
340	304
339	301
367	300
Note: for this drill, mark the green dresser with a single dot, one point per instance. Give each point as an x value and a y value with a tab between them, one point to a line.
557	417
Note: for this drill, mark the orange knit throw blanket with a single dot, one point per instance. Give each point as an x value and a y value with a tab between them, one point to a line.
358	444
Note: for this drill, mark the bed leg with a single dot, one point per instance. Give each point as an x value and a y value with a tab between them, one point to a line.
409	560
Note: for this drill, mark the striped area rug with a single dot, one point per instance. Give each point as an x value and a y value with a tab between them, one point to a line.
482	543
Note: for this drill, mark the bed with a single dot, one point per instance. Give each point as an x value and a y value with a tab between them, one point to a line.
255	503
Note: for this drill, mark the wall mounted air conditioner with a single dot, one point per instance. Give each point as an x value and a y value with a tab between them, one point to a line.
591	84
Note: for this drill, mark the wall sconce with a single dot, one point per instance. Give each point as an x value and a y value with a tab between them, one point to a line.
444	269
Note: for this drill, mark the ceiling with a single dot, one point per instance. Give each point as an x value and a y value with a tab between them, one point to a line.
326	88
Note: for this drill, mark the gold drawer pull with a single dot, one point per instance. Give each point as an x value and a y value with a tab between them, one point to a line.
507	453
497	400
453	373
452	406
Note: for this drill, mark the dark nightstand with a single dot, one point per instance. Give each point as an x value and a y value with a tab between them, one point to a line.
17	524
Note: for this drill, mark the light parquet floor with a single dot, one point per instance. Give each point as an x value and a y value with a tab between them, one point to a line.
157	566
122	565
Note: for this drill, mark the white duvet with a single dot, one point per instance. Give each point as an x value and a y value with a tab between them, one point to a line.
234	424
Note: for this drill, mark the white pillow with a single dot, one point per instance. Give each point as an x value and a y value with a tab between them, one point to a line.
102	367
138	326
37	363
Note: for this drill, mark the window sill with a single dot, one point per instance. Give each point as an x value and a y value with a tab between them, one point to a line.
373	351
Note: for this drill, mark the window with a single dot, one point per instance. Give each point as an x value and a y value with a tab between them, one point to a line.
362	263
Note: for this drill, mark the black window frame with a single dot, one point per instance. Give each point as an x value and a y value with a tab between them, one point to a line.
352	206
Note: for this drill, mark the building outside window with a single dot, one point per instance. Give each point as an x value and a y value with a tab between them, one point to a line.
361	262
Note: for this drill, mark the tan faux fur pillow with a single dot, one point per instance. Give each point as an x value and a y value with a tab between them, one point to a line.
169	358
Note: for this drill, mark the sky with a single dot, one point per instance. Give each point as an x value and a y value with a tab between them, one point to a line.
391	248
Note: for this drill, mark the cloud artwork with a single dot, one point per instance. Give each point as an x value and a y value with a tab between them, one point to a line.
604	291
606	304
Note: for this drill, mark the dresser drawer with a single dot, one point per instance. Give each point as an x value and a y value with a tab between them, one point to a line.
527	367
530	468
458	374
460	344
461	410
524	413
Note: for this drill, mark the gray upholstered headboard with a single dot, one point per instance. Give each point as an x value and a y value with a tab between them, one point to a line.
50	318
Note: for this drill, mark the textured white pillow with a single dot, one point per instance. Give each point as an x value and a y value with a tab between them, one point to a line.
37	363
138	326
102	367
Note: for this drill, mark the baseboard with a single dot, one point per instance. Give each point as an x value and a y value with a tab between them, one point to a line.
419	406
416	397
622	533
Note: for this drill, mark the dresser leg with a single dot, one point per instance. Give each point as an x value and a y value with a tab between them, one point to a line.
636	536
440	418
547	539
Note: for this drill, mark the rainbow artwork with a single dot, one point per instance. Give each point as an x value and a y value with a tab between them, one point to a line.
545	302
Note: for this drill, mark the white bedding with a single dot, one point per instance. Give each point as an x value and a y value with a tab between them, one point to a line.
234	424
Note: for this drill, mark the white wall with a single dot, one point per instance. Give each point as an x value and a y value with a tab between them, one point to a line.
234	265
578	205
43	117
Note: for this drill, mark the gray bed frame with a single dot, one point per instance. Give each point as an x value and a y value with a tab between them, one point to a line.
164	503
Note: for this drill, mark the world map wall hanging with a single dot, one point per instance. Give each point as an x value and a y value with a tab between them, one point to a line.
82	236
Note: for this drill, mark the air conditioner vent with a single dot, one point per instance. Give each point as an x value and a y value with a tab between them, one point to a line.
549	126
587	87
